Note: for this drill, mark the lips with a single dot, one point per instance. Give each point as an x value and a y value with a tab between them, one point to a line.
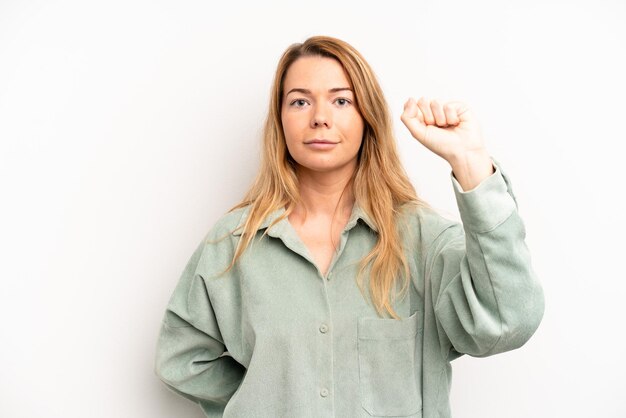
320	144
320	141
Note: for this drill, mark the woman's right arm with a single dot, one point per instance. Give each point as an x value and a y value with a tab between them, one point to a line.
190	346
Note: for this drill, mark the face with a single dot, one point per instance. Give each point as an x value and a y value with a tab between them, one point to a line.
322	126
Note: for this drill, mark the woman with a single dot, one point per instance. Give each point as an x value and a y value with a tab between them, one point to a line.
335	291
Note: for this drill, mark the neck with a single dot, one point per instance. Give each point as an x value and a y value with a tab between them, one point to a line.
324	193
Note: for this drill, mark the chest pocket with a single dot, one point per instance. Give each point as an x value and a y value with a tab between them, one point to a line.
390	366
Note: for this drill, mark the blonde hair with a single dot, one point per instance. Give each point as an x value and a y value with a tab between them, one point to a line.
380	184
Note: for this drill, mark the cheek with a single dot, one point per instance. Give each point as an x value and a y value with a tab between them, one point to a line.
290	126
290	131
286	130
354	127
359	128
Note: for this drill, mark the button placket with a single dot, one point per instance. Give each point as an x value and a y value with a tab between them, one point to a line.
326	374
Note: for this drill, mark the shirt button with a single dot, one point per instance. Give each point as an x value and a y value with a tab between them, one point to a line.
330	275
324	392
323	328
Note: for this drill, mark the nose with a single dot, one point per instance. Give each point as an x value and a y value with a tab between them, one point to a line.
320	117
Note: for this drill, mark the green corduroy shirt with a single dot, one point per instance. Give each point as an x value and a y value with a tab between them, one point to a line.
273	337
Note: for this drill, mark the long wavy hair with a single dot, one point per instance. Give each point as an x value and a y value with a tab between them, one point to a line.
379	184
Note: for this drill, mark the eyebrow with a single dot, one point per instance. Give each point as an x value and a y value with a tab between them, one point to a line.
306	91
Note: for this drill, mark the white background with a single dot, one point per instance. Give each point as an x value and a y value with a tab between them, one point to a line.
128	127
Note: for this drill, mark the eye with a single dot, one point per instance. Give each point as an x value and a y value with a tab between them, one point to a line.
298	102
343	102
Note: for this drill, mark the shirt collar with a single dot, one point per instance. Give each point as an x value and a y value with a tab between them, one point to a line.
357	213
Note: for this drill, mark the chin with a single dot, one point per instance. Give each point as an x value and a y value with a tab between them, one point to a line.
322	167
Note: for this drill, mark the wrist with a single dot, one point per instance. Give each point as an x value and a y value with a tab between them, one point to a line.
471	168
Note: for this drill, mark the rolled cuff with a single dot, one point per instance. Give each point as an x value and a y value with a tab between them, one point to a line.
487	205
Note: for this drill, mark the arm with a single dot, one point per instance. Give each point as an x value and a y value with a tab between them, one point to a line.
190	346
486	296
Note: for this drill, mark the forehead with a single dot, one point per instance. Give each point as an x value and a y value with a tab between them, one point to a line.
316	72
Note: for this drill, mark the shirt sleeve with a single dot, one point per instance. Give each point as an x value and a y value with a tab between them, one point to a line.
189	350
486	296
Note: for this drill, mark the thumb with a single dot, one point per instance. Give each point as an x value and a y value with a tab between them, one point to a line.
413	119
